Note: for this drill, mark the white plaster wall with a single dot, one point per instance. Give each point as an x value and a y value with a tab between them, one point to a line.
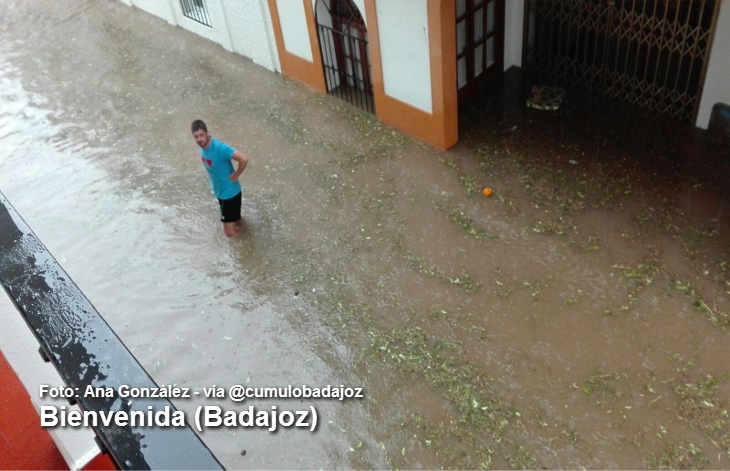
161	8
403	31
218	32
294	30
251	31
269	27
513	26
717	80
241	26
20	348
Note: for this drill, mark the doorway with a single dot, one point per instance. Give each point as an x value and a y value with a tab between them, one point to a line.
651	53
479	44
343	40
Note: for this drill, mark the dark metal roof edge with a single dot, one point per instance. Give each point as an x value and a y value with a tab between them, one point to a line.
85	350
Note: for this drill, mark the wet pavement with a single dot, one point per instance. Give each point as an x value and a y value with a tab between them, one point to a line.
576	318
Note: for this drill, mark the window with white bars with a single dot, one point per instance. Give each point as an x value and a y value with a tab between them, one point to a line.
196	10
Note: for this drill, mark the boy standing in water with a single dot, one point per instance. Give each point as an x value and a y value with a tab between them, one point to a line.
218	162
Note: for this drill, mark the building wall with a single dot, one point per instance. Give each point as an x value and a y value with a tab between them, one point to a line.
413	77
717	80
403	32
241	26
294	30
252	35
402	108
289	22
217	33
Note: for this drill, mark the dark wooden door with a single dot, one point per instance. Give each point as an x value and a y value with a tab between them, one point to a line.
350	44
479	44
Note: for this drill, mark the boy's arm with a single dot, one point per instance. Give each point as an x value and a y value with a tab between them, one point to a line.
242	160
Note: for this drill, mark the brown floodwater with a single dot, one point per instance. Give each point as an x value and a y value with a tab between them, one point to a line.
570	320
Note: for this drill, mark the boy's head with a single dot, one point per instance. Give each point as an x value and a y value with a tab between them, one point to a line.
200	133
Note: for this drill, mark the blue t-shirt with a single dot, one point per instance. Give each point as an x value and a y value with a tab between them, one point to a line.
217	162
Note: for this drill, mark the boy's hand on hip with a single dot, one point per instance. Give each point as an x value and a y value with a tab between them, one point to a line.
233	177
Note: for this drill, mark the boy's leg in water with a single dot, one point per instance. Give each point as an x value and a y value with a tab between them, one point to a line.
230	228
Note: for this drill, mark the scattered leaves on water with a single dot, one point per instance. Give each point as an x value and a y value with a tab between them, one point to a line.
700	406
463	281
466	223
683	456
717	317
603	387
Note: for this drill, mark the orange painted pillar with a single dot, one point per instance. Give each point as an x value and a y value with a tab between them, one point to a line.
440	127
309	73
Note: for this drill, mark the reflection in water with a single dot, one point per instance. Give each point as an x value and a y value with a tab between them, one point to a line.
553	324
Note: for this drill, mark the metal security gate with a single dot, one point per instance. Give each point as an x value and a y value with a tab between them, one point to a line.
343	40
651	53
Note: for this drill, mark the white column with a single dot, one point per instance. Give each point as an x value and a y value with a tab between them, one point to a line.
717	80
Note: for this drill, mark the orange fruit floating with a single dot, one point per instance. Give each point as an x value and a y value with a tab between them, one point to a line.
487	192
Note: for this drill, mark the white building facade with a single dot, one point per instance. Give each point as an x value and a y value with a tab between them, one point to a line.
412	62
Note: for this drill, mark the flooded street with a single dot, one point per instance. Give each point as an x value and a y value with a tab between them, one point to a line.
577	318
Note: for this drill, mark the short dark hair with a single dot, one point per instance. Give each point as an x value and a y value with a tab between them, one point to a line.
198	124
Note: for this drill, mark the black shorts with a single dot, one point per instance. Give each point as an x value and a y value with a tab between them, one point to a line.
231	209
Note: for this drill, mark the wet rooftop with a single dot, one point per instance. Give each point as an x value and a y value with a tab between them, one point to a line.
578	317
